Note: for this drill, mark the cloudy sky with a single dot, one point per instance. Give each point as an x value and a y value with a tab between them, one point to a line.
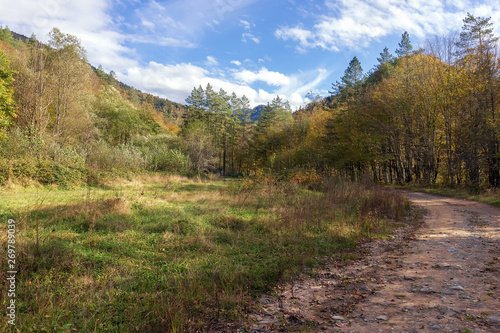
257	48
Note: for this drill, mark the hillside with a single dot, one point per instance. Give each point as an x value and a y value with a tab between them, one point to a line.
166	108
163	106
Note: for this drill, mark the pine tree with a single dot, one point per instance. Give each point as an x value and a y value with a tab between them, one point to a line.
385	58
353	77
404	47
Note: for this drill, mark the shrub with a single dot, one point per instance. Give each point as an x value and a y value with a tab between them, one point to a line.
16	145
65	155
162	153
154	141
48	172
169	160
45	172
105	157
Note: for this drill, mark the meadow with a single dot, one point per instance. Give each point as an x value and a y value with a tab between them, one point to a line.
172	254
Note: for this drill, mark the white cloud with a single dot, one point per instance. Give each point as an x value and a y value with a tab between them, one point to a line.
264	75
236	62
246	36
211	61
357	23
86	19
176	82
245	24
148	24
298	34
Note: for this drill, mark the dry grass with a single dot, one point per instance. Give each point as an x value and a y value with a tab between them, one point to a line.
178	255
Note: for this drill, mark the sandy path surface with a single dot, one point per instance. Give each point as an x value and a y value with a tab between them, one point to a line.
443	277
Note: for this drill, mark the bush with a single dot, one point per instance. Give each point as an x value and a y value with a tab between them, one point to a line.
49	172
16	145
169	160
155	141
65	155
45	172
161	153
105	157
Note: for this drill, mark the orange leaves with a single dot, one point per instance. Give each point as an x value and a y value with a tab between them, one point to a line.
306	177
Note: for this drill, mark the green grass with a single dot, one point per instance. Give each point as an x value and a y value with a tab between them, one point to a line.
172	254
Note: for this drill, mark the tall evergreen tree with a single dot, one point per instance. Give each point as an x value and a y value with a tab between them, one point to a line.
404	46
385	57
349	83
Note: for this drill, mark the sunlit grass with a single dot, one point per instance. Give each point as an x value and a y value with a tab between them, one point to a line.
157	254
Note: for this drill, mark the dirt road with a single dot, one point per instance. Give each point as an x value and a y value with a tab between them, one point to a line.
445	277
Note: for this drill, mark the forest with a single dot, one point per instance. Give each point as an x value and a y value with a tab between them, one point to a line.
425	116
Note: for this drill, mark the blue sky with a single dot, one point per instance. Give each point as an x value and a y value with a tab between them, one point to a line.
257	48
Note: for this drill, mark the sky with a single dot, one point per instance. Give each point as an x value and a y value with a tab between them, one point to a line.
257	48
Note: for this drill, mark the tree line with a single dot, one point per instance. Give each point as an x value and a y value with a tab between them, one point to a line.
427	115
223	122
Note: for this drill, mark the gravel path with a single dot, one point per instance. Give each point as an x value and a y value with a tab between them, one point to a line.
442	278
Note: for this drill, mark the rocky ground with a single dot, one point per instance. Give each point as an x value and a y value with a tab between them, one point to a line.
443	277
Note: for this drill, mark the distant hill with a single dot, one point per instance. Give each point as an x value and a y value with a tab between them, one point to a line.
256	112
20	37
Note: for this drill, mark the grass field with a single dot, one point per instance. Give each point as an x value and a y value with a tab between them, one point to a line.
171	254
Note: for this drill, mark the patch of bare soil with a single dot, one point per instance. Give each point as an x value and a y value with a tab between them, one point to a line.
443	277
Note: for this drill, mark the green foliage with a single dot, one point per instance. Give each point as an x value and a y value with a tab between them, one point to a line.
7	37
68	78
476	36
7	110
42	171
226	119
16	145
385	58
104	156
118	119
168	160
350	82
404	47
49	172
199	144
162	153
